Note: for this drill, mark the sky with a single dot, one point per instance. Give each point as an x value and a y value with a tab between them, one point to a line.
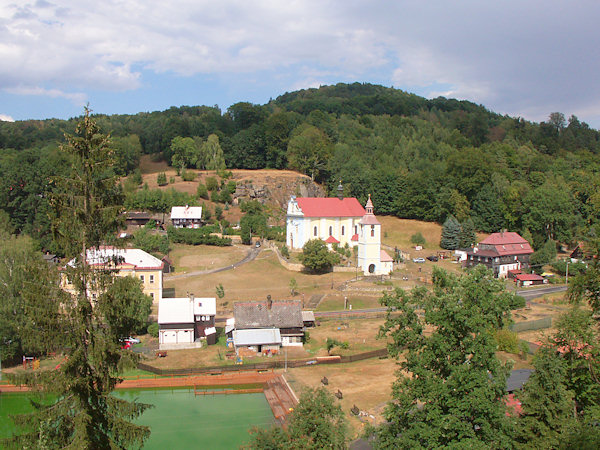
519	57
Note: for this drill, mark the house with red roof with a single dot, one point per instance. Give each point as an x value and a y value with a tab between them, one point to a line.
502	252
332	219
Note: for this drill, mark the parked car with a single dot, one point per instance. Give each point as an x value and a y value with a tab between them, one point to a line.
257	245
419	260
132	340
432	258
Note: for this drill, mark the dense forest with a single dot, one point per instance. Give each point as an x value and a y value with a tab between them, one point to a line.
418	158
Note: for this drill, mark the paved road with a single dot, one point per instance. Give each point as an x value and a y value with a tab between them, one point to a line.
530	294
252	253
527	294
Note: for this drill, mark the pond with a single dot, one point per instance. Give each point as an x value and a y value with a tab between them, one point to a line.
179	418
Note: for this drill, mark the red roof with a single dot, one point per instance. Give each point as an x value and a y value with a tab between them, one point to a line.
529	277
508	243
332	240
384	257
354	237
330	207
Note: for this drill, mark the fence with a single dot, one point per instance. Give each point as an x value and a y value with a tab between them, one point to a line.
537	324
263	365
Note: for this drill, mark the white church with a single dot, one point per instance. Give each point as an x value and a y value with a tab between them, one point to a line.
342	221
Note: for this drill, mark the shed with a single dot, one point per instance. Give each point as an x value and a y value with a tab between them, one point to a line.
262	340
308	318
529	279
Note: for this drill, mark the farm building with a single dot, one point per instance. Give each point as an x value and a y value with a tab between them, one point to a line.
186	322
252	341
283	315
529	279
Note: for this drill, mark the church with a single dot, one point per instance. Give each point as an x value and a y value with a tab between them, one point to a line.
341	221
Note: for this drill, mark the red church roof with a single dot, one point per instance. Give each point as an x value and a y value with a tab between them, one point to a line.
332	240
330	207
384	257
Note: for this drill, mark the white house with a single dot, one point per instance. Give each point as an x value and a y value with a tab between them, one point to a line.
186	216
186	322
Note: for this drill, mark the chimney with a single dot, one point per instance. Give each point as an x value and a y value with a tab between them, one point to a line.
269	302
340	191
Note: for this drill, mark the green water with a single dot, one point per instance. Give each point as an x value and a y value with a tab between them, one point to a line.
179	419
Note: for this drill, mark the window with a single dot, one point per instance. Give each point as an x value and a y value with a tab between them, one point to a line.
342	230
315	231
372	230
355	229
142	278
151	278
330	231
152	295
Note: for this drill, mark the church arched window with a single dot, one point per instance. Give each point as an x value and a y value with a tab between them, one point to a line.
372	230
330	231
315	231
342	230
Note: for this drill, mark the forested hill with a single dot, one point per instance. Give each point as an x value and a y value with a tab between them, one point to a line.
418	158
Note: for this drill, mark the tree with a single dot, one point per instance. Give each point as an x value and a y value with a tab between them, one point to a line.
450	234
186	153
467	236
309	151
316	257
487	210
212	155
86	212
544	255
586	284
161	179
29	300
293	287
418	239
455	391
317	422
546	402
220	290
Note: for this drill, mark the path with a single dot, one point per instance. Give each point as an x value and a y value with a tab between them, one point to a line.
252	254
530	294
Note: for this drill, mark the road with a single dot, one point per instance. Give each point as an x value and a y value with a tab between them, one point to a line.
252	253
527	294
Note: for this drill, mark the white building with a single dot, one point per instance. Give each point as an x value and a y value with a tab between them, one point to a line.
371	258
333	219
186	216
186	322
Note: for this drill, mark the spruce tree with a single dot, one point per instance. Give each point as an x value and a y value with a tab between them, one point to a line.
450	234
86	211
467	236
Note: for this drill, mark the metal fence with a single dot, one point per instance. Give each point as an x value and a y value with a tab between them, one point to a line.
537	324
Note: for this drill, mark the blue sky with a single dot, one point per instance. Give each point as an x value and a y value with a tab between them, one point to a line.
524	58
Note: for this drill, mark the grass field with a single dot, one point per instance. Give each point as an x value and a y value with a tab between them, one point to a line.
188	258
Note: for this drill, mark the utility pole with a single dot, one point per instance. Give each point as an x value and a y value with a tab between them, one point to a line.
567	279
285	359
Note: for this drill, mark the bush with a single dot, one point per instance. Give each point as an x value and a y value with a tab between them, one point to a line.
202	192
225	196
151	242
508	341
188	176
231	187
153	329
212	184
161	179
198	236
171	180
418	239
285	252
218	212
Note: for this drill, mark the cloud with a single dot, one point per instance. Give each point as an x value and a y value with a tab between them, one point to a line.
6	118
522	58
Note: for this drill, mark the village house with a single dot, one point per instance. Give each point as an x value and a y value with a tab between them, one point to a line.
124	262
186	322
186	216
267	325
500	252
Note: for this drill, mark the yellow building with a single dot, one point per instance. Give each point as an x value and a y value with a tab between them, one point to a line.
127	262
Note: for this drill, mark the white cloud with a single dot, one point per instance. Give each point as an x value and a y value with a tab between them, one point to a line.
515	57
6	118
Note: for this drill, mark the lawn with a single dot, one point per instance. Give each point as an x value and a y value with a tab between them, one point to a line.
255	280
188	258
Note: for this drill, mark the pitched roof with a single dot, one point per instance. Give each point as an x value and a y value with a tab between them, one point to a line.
175	310
332	240
529	277
256	314
384	257
186	212
330	207
517	379
256	337
133	257
504	238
